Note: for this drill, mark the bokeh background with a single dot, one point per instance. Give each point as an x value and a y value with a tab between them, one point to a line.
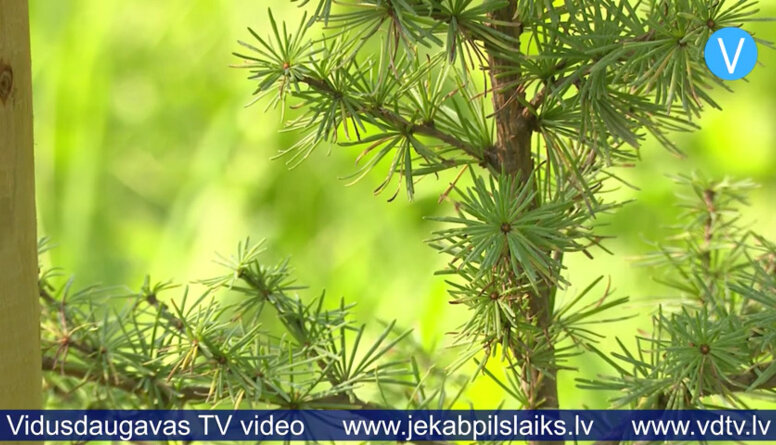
148	162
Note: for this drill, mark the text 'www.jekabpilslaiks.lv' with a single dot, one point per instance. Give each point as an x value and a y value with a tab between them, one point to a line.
474	429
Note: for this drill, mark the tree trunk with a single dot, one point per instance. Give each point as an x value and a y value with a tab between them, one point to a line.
20	359
514	128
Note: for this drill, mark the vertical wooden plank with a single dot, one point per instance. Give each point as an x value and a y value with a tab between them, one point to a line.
20	368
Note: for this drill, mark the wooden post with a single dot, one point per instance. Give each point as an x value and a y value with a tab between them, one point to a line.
20	356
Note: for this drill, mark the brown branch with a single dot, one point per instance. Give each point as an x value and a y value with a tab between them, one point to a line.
195	393
185	394
397	120
124	383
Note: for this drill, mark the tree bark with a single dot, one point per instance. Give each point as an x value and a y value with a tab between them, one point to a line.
20	360
513	125
514	128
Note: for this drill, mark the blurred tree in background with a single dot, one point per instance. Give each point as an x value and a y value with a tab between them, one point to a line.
145	153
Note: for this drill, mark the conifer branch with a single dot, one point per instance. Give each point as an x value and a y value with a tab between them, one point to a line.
578	74
126	384
398	121
178	396
178	354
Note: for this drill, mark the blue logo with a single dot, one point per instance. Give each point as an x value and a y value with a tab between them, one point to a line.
731	53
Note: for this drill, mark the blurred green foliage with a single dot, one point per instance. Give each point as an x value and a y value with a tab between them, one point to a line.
148	162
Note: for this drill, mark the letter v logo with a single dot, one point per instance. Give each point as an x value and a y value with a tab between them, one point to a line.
731	67
729	42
